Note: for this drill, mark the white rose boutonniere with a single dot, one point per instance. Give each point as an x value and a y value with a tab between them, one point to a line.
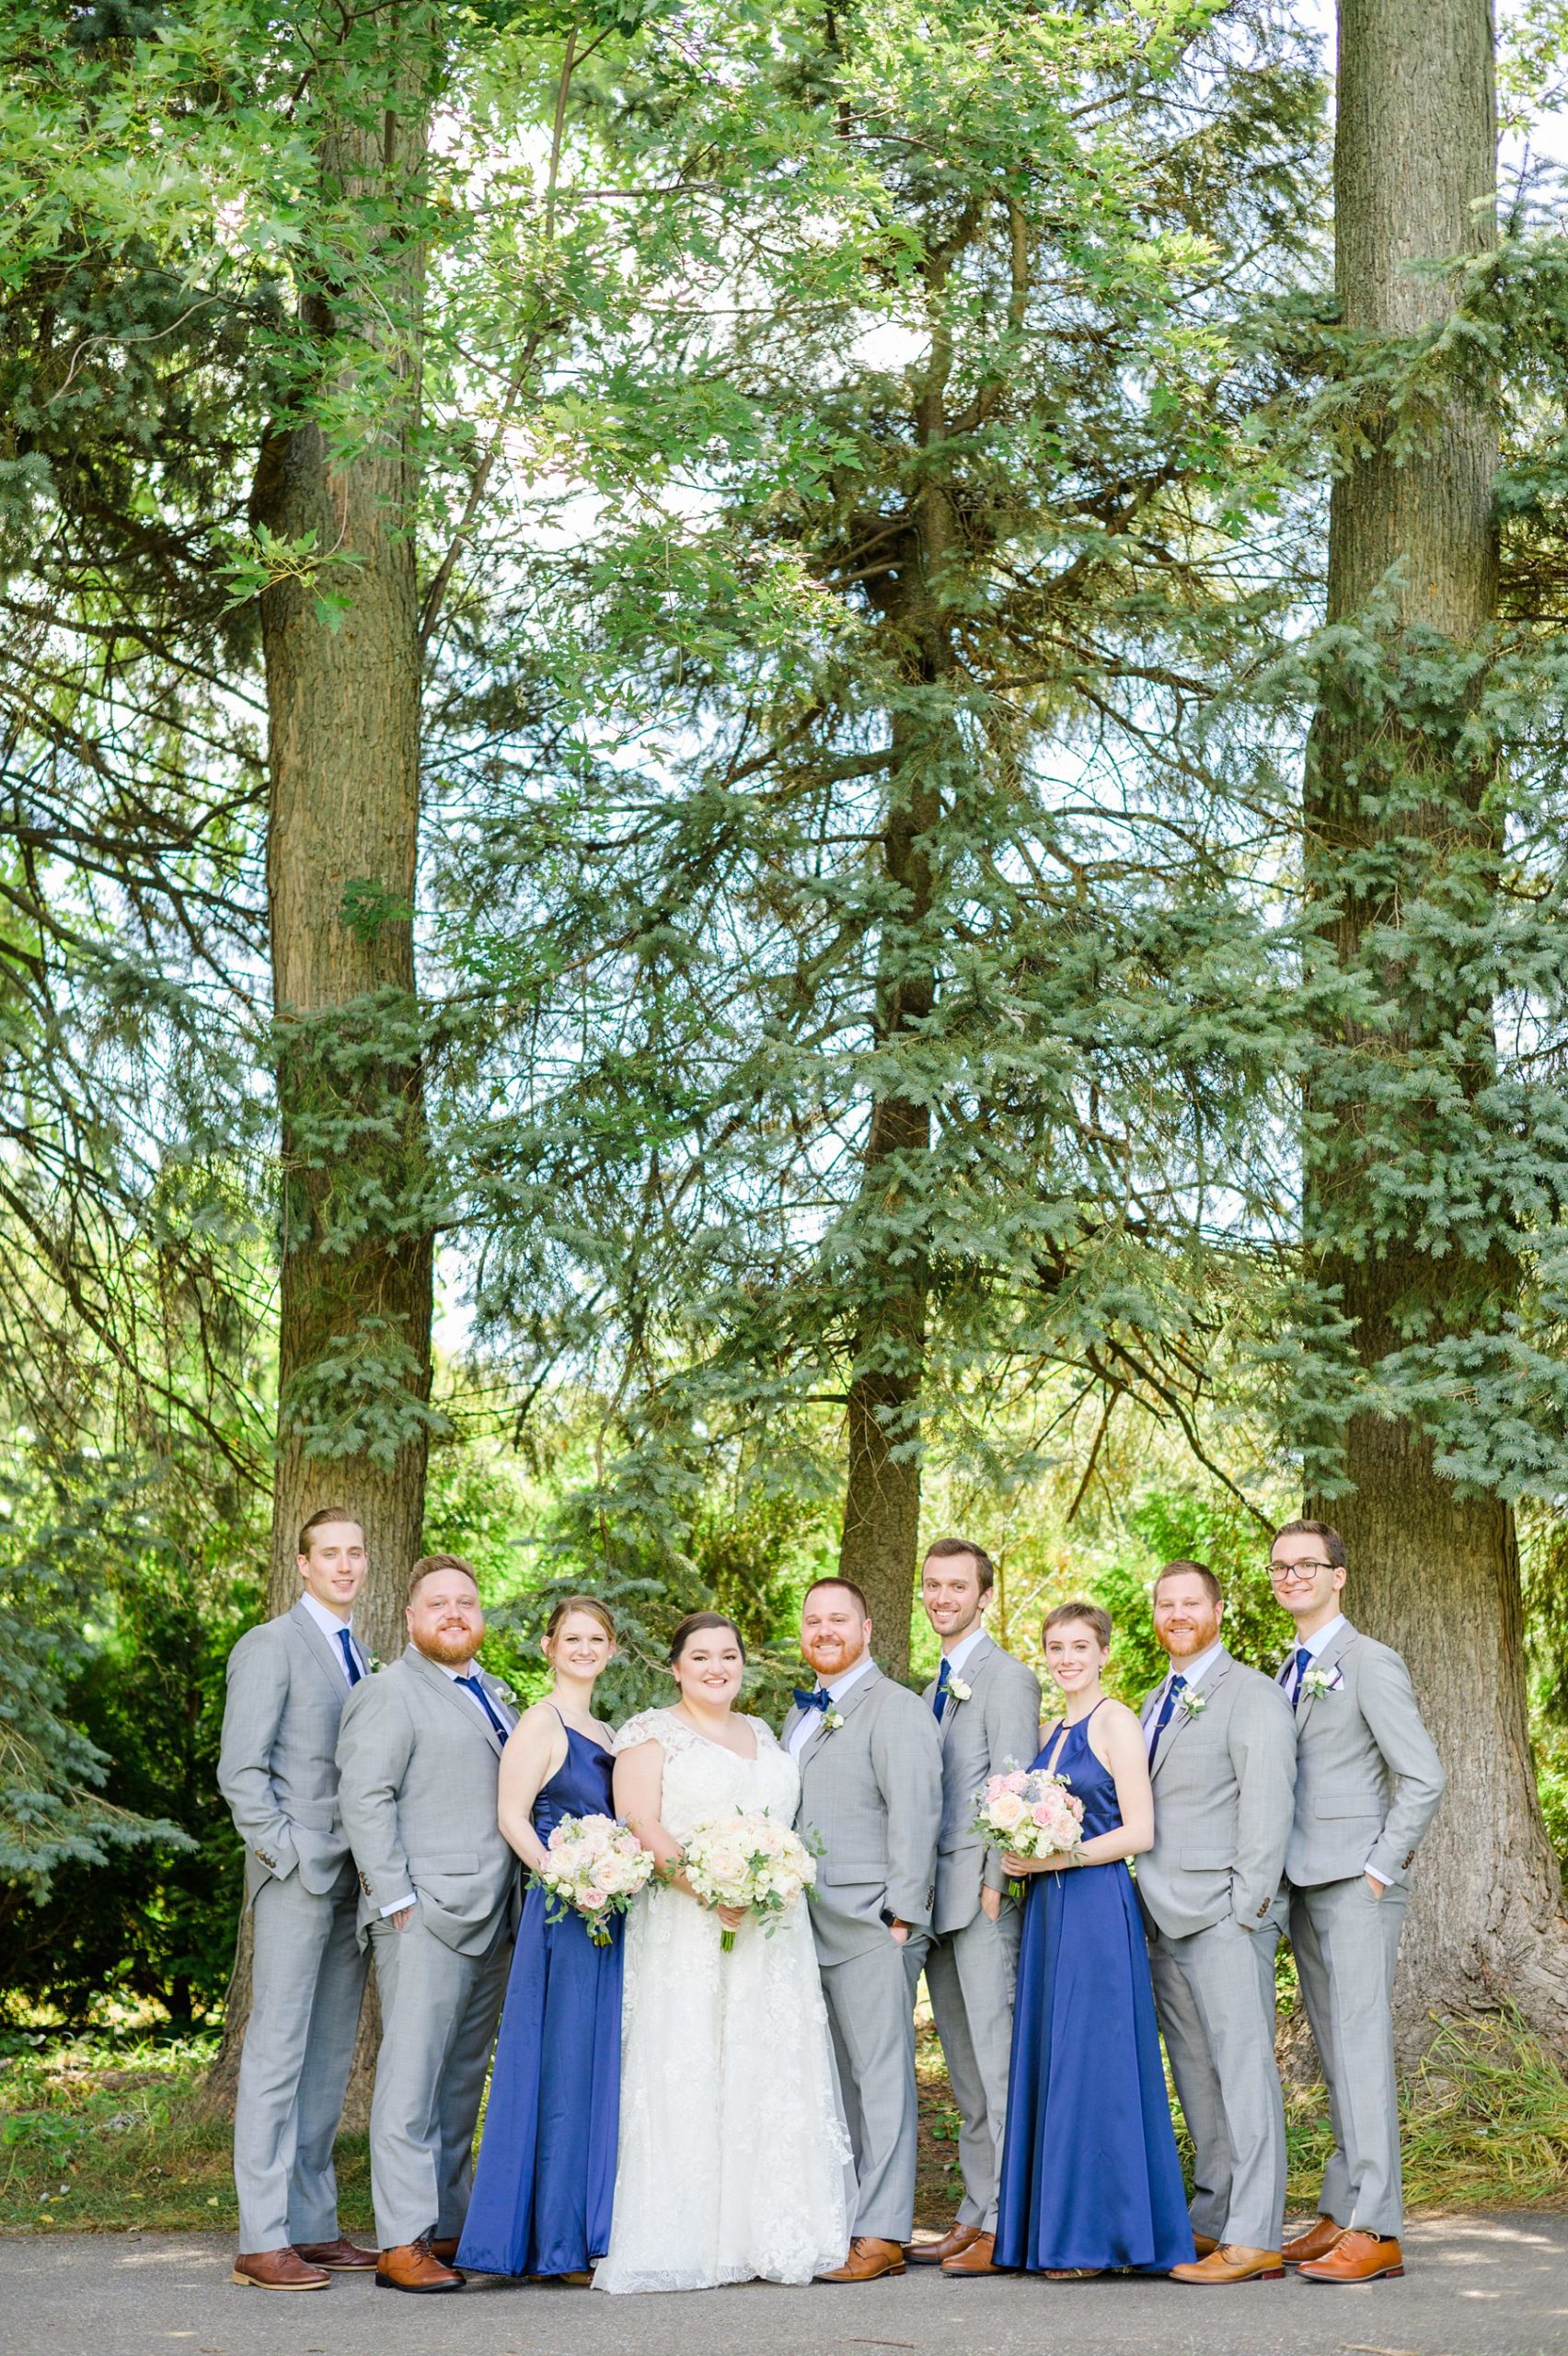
832	1721
1193	1706
958	1691
1318	1681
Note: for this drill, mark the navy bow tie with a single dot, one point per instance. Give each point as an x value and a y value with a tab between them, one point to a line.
816	1700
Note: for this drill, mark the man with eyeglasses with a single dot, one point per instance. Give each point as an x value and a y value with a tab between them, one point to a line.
1368	1786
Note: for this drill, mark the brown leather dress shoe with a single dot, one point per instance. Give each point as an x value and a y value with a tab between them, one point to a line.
414	2265
1231	2263
980	2258
937	2252
1315	2242
1356	2257
278	2269
868	2262
341	2257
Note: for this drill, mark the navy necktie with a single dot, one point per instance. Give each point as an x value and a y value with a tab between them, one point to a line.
472	1685
349	1663
944	1678
1303	1663
816	1699
1173	1692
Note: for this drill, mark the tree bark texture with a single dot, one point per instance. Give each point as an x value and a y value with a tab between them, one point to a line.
1431	1572
343	739
343	711
880	1545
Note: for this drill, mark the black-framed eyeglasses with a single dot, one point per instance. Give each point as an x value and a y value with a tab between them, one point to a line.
1282	1574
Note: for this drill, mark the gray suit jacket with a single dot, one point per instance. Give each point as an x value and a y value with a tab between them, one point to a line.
997	1727
418	1767
1367	1778
276	1764
1223	1789
872	1794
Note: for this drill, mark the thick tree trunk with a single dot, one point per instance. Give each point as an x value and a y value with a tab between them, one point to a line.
1431	1572
882	1499
343	718
881	1502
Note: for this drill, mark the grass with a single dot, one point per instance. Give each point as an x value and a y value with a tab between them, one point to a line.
1484	2126
103	2134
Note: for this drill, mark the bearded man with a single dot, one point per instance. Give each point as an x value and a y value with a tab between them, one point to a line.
419	1757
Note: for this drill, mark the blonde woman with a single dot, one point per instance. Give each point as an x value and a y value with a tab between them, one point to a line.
1090	2175
545	2174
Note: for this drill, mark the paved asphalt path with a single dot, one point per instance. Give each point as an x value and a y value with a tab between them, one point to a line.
1478	2286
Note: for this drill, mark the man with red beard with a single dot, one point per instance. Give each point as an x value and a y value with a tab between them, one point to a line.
419	1757
1222	1762
870	1769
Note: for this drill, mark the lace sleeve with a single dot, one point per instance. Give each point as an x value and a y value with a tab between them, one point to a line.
766	1738
662	1727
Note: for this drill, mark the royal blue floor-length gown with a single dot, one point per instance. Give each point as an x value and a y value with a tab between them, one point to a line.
1089	2172
546	2167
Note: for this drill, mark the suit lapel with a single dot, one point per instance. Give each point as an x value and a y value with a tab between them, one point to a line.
1181	1718
320	1650
972	1669
1327	1660
845	1709
436	1678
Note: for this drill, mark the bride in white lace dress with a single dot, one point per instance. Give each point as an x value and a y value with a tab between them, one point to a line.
733	2146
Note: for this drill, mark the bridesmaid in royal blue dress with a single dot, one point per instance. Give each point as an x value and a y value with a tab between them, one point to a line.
547	2166
1090	2178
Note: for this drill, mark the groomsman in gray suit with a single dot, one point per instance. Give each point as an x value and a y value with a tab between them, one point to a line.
872	1794
986	1706
1222	1760
1368	1786
419	1757
288	1681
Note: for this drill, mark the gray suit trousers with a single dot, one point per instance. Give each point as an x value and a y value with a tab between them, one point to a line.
438	2015
970	1976
307	1981
871	2014
1347	1947
1214	1993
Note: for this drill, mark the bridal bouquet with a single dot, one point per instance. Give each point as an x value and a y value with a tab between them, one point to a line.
1030	1813
748	1860
595	1869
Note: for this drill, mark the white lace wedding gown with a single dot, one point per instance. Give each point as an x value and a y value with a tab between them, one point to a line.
733	2146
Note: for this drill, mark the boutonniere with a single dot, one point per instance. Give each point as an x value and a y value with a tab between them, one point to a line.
1318	1681
372	1662
831	1721
1193	1706
958	1691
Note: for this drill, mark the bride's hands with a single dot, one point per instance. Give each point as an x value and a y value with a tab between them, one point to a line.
732	1917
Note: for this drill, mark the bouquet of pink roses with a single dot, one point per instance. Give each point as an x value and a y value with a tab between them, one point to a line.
595	1869
1030	1813
749	1860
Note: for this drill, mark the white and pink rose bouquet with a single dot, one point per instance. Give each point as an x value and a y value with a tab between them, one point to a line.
1030	1813
749	1860
595	1869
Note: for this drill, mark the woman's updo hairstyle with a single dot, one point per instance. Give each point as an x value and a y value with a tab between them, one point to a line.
570	1603
692	1626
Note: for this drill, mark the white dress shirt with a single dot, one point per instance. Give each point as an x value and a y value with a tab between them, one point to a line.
332	1628
811	1719
1193	1671
962	1650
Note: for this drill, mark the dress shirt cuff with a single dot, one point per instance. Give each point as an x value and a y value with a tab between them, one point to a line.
410	1898
1373	1875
